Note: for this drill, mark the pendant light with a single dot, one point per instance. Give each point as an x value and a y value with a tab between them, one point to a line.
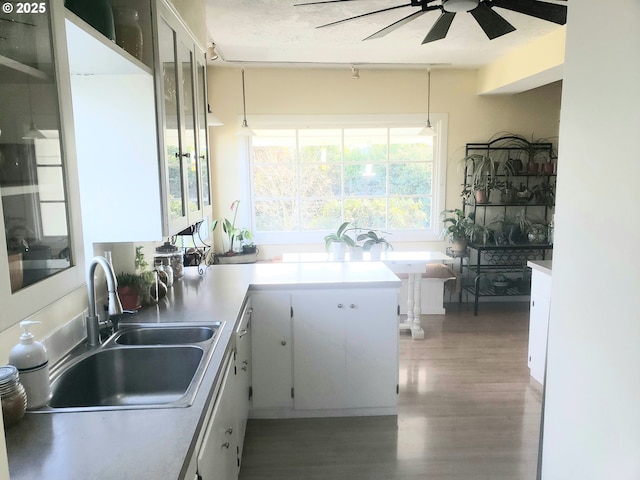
244	131
33	133
428	130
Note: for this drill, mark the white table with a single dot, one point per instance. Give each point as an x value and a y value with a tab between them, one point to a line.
410	263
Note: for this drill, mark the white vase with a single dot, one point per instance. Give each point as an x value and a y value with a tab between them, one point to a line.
376	251
357	253
337	251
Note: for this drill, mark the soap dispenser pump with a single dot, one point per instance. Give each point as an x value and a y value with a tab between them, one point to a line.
31	360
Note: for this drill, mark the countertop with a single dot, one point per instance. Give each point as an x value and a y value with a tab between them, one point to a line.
543	266
158	443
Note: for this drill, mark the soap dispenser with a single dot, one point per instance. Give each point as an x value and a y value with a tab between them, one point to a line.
31	360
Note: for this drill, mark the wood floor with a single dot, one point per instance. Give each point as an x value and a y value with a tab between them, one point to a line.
467	411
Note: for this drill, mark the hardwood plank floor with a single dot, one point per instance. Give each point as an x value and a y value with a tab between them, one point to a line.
467	410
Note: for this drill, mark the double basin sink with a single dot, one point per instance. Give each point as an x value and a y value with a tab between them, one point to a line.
140	366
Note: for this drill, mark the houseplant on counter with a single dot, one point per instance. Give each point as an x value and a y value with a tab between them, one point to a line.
235	238
374	243
334	243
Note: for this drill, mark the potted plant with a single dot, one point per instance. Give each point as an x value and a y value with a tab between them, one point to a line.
481	171
500	284
234	250
543	193
456	226
131	290
374	243
335	242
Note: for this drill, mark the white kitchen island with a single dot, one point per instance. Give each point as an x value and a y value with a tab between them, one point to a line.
410	264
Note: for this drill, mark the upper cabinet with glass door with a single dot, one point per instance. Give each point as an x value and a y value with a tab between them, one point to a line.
34	185
181	80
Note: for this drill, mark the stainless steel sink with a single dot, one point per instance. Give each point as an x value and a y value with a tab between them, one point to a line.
140	366
164	335
128	377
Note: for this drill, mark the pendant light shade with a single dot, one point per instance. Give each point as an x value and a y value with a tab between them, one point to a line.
428	130
244	131
33	133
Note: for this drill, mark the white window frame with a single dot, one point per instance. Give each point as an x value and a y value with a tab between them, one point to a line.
438	121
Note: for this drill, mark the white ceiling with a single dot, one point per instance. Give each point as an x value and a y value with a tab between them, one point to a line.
277	32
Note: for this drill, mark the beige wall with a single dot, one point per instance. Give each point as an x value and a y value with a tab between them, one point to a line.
275	91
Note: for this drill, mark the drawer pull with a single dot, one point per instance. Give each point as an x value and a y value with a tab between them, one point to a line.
229	431
225	445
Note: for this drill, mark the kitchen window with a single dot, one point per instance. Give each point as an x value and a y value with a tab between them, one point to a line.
309	174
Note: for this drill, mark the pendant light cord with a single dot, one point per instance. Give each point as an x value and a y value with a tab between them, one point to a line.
428	96
244	103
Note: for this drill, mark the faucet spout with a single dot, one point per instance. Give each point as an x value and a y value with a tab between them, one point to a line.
115	307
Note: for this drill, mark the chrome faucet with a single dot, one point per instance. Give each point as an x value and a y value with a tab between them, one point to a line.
115	307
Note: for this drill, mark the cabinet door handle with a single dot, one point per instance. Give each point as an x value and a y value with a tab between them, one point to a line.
283	343
243	333
244	369
339	305
353	305
186	155
229	431
225	445
245	362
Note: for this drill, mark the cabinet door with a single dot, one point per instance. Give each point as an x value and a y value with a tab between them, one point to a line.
42	259
539	324
271	352
319	349
372	348
217	458
203	153
345	348
169	78
243	375
182	85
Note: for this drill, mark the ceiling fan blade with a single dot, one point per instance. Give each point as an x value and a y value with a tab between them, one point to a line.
440	28
403	21
543	10
359	16
493	24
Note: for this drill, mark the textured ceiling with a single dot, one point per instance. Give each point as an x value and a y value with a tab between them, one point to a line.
277	32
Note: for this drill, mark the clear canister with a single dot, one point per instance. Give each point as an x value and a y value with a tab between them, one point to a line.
12	395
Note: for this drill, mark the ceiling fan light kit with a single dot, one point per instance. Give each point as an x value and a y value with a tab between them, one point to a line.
492	23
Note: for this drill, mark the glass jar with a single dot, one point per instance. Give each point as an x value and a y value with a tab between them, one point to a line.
12	395
175	257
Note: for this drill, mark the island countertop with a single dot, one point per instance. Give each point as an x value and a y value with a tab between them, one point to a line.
543	266
159	443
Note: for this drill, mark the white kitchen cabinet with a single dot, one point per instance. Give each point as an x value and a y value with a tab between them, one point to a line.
539	323
181	104
271	351
242	382
149	138
42	259
345	351
217	457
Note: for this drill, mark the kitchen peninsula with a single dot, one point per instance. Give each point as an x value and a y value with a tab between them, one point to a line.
167	442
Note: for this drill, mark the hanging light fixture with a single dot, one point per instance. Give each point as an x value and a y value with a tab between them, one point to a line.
428	130
33	133
244	131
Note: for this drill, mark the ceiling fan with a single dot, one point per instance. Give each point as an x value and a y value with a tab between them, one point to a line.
491	22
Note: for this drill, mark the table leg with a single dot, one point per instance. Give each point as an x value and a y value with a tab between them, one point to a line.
416	330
